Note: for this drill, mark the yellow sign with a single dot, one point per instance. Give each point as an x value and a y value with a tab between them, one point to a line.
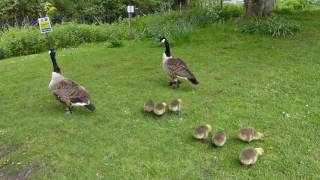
45	25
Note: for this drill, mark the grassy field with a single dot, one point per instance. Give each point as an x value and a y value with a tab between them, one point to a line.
245	80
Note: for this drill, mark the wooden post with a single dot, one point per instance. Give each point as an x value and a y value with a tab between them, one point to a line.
129	21
180	7
221	5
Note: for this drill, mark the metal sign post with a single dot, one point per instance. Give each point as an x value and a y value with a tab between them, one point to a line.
45	27
130	10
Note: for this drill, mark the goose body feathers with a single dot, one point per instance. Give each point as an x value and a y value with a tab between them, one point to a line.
70	93
176	68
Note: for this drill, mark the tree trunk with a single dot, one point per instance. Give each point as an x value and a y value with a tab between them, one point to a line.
258	8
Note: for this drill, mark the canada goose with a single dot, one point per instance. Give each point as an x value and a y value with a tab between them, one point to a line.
249	156
175	67
249	134
175	105
202	131
160	109
67	91
219	139
149	106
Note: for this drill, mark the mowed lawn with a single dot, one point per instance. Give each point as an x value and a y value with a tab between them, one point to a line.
245	81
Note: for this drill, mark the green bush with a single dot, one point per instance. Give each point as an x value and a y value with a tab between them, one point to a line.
174	26
114	44
23	41
72	34
274	26
294	4
229	11
2	53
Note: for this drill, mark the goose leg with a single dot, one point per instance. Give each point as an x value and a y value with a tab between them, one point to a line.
68	111
171	83
176	83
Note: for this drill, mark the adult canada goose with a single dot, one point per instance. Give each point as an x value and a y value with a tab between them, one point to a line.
219	139
175	105
175	67
202	131
149	106
249	134
160	109
67	91
249	156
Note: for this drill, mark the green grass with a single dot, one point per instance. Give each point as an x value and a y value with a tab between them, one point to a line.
245	80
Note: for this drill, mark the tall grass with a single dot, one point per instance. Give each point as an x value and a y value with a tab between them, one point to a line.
174	25
273	26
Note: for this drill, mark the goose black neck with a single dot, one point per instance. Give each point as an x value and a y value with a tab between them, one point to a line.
55	64
167	51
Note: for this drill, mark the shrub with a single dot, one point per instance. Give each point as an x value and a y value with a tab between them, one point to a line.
273	26
294	4
22	41
229	11
114	44
175	26
2	53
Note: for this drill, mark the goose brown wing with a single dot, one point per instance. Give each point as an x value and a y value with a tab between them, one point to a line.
179	68
68	91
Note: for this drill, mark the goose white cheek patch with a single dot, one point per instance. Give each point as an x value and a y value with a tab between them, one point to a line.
163	40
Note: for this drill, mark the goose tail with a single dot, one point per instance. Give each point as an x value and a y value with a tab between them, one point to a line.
90	107
193	80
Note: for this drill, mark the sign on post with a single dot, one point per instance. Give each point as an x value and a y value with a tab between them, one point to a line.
45	25
130	9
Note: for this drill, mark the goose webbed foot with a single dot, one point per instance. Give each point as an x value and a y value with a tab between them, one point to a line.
68	111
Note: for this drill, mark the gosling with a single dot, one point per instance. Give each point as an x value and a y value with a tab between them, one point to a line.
219	139
249	156
149	106
159	109
249	134
175	105
202	131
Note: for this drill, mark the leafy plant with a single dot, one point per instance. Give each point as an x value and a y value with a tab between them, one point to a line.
114	44
274	26
294	4
23	41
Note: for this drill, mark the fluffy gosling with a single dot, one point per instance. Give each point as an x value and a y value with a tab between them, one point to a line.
175	105
159	109
219	139
249	156
149	106
249	134
202	131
